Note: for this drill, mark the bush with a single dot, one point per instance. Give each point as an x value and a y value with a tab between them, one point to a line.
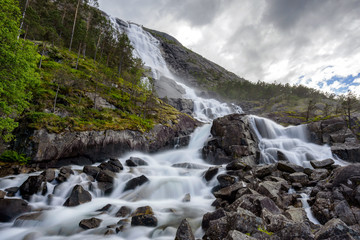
14	157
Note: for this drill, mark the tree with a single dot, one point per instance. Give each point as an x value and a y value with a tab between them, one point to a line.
73	29
350	104
17	69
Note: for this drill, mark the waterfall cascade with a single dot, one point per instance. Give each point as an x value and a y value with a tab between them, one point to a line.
170	180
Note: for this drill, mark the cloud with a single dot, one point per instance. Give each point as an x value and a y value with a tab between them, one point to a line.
268	40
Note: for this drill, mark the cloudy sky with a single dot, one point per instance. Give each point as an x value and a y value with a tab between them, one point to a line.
310	42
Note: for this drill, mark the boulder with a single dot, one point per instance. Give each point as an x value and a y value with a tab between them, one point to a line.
134	162
11	208
33	185
123	212
244	221
226	180
270	189
236	235
105	176
105	208
337	230
295	231
319	174
11	191
184	231
210	173
91	170
105	187
113	165
135	182
299	177
2	194
144	216
210	216
64	174
344	213
327	163
90	223
344	175
289	167
49	174
274	222
265	170
296	214
349	152
78	196
229	193
183	105
28	218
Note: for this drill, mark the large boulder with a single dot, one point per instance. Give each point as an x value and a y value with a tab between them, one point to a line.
184	231
11	208
232	139
144	216
90	223
337	230
135	182
78	196
33	185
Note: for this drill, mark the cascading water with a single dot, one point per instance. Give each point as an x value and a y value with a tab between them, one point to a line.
287	143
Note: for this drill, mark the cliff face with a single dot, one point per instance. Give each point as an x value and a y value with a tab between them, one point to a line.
190	66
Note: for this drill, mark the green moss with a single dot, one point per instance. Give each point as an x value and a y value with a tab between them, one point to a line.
9	156
265	231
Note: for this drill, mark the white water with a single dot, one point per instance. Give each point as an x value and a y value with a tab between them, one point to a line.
293	142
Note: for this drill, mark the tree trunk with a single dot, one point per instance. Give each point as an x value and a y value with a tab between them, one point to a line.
73	29
77	60
97	46
23	18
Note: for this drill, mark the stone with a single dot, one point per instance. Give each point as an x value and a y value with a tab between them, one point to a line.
337	230
210	216
236	235
25	219
64	174
229	193
289	167
319	174
109	232
299	177
244	221
226	180
49	174
295	231
11	208
186	198
135	161
237	165
105	208
144	216
347	151
183	105
106	187
218	229
210	173
2	194
113	165
10	192
344	213
123	212
188	165
296	214
105	176
33	185
184	231
90	223
274	222
322	208
91	171
135	182
265	170
78	196
322	164
344	174
270	189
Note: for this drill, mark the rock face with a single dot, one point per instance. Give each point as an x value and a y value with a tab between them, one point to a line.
183	105
197	70
91	146
232	140
11	208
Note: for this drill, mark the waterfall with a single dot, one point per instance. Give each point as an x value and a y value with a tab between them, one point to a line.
287	143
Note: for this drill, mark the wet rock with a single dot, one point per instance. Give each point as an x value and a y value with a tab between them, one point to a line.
109	232
236	235
344	213
144	216
265	170
113	165
337	230
319	174
299	177
226	180
33	185
10	192
123	212
105	208
323	207
105	176
186	198
11	208
347	151
105	187
289	167
90	223
210	216
274	222
296	214
23	220
210	173
184	231
322	164
49	175
183	105
134	162
295	231
78	196
135	182
64	174
244	221
188	165
270	189
229	193
237	165
91	170
123	224
344	174
2	194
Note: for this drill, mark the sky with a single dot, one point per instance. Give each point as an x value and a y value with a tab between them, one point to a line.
311	42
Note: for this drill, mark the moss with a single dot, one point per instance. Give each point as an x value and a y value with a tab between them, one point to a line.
265	231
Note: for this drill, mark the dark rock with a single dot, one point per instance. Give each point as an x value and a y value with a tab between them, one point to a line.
237	165
105	176
229	193
78	196
319	174
105	208
236	235
344	213
183	105
244	221
289	167
263	171
33	185
349	152
344	174
323	207
337	230
188	165
64	174
219	213
49	175
218	229
184	231
106	187
299	177
274	222
10	192
134	162
210	173
295	231
109	232
113	165
11	208
90	223
226	180
281	156
123	212
270	189
2	194
144	216
91	170
135	182
322	164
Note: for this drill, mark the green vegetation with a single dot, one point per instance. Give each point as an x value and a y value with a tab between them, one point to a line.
13	157
95	86
265	231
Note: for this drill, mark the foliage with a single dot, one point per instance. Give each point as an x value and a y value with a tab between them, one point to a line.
17	69
13	157
265	231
